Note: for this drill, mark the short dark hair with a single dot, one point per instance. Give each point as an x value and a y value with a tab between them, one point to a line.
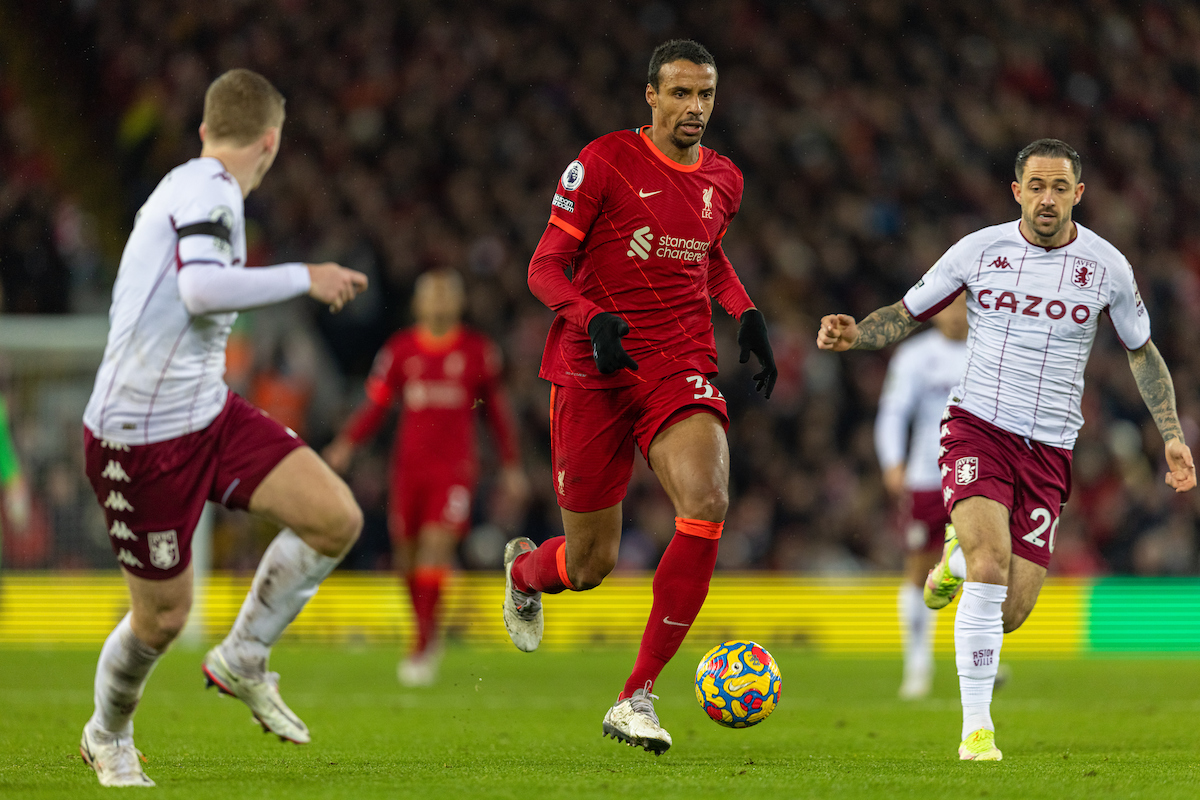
1049	148
677	50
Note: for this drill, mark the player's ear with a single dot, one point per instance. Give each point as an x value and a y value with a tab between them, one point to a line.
1078	194
651	96
203	131
1016	187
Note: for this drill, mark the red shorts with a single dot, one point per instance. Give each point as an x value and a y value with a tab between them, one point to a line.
152	494
1031	479
927	521
593	433
428	497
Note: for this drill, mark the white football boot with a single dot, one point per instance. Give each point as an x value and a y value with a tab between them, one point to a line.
522	612
634	722
261	694
114	758
420	669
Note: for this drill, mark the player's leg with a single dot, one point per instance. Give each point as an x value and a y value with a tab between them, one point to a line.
158	612
591	449
982	525
432	558
917	624
1025	580
691	460
321	521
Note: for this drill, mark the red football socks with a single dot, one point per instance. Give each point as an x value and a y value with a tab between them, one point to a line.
543	570
680	586
425	588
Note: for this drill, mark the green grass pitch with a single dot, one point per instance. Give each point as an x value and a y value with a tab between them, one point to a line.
515	725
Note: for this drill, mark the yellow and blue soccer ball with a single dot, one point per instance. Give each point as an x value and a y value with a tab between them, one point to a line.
737	684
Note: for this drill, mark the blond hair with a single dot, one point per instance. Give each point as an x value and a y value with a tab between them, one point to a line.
240	106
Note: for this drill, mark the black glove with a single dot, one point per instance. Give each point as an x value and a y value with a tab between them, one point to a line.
752	338
606	331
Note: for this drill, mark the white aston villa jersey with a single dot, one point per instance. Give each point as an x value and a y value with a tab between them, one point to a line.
1033	315
919	379
163	370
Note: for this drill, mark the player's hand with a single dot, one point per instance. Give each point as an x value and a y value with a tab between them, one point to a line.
606	331
335	285
338	454
893	481
752	338
838	332
1181	470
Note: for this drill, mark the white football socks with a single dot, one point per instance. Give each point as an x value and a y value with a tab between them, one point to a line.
957	563
121	673
978	634
917	623
287	577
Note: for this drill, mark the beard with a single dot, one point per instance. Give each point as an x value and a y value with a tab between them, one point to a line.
1059	223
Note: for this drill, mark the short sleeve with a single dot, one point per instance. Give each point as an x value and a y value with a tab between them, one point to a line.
381	382
207	220
1126	309
938	287
580	193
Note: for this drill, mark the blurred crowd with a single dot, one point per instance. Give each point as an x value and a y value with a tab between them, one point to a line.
872	136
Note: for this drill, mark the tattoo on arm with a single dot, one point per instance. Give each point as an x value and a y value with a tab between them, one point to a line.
884	326
1154	382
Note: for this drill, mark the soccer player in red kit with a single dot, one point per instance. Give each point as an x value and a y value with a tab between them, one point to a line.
638	218
440	371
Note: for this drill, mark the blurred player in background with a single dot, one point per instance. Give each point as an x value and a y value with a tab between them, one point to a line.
13	485
1036	289
163	433
919	379
440	371
638	219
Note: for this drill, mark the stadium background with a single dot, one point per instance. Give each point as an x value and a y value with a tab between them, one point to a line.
872	135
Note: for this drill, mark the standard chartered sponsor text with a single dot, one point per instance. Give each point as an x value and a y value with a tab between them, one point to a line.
682	249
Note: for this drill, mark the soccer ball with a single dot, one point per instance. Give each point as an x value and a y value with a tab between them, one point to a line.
737	684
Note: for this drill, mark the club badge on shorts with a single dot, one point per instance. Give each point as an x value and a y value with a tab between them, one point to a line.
966	470
164	548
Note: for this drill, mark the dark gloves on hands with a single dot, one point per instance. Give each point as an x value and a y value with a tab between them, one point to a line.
752	338
606	331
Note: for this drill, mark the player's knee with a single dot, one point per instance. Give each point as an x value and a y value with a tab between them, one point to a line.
340	524
163	627
711	503
592	572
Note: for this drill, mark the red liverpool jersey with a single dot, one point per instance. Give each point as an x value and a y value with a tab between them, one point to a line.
439	382
649	231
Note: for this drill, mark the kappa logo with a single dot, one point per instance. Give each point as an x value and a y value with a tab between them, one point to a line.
109	445
1000	263
117	502
115	472
947	493
129	559
966	470
706	195
945	431
945	469
120	530
164	549
1083	273
639	245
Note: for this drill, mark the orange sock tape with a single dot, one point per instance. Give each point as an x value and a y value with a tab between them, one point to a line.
560	560
700	528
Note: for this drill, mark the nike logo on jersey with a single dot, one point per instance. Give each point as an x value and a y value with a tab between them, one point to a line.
667	621
643	193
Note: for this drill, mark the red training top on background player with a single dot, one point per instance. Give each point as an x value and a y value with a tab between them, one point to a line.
440	372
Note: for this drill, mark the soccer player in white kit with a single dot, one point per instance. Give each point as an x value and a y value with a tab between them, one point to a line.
163	433
1036	288
919	378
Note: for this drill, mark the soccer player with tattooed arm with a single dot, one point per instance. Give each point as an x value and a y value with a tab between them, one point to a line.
1036	288
163	434
638	219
